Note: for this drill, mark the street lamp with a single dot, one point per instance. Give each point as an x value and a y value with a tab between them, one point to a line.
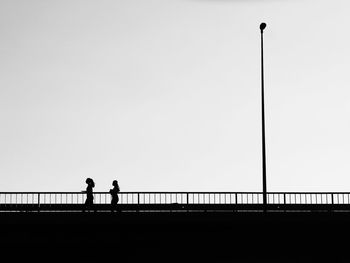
262	27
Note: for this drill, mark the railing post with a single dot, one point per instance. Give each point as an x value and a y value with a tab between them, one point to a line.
38	202
332	198
187	200
138	202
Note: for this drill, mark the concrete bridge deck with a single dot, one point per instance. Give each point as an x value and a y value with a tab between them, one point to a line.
176	227
177	237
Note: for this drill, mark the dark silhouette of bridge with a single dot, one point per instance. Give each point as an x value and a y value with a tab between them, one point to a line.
177	227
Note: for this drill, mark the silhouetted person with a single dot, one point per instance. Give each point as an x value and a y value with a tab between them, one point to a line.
115	198
89	202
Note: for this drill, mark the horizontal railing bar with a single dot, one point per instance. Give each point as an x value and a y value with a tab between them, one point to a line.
169	192
291	207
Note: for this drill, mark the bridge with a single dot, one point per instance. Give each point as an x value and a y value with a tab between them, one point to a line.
177	227
177	201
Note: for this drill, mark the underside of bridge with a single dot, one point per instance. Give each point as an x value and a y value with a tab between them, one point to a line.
177	237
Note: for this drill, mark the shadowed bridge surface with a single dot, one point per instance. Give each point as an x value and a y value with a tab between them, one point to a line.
177	237
163	235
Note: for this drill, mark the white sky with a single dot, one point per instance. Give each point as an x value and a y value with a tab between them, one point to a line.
164	95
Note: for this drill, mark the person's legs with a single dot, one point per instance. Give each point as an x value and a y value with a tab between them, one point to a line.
89	205
113	205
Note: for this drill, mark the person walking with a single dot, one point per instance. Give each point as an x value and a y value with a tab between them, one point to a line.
89	202
114	193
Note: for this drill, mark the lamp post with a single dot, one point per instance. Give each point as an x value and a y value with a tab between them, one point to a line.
262	27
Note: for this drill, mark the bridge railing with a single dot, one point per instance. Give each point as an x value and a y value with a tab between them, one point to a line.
281	198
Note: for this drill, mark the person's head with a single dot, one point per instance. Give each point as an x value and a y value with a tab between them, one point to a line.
115	183
89	181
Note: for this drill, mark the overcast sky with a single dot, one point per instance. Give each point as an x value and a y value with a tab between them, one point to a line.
164	95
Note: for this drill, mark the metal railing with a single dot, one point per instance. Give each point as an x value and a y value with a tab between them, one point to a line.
277	198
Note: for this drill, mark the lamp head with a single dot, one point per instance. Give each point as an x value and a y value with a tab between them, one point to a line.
262	27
